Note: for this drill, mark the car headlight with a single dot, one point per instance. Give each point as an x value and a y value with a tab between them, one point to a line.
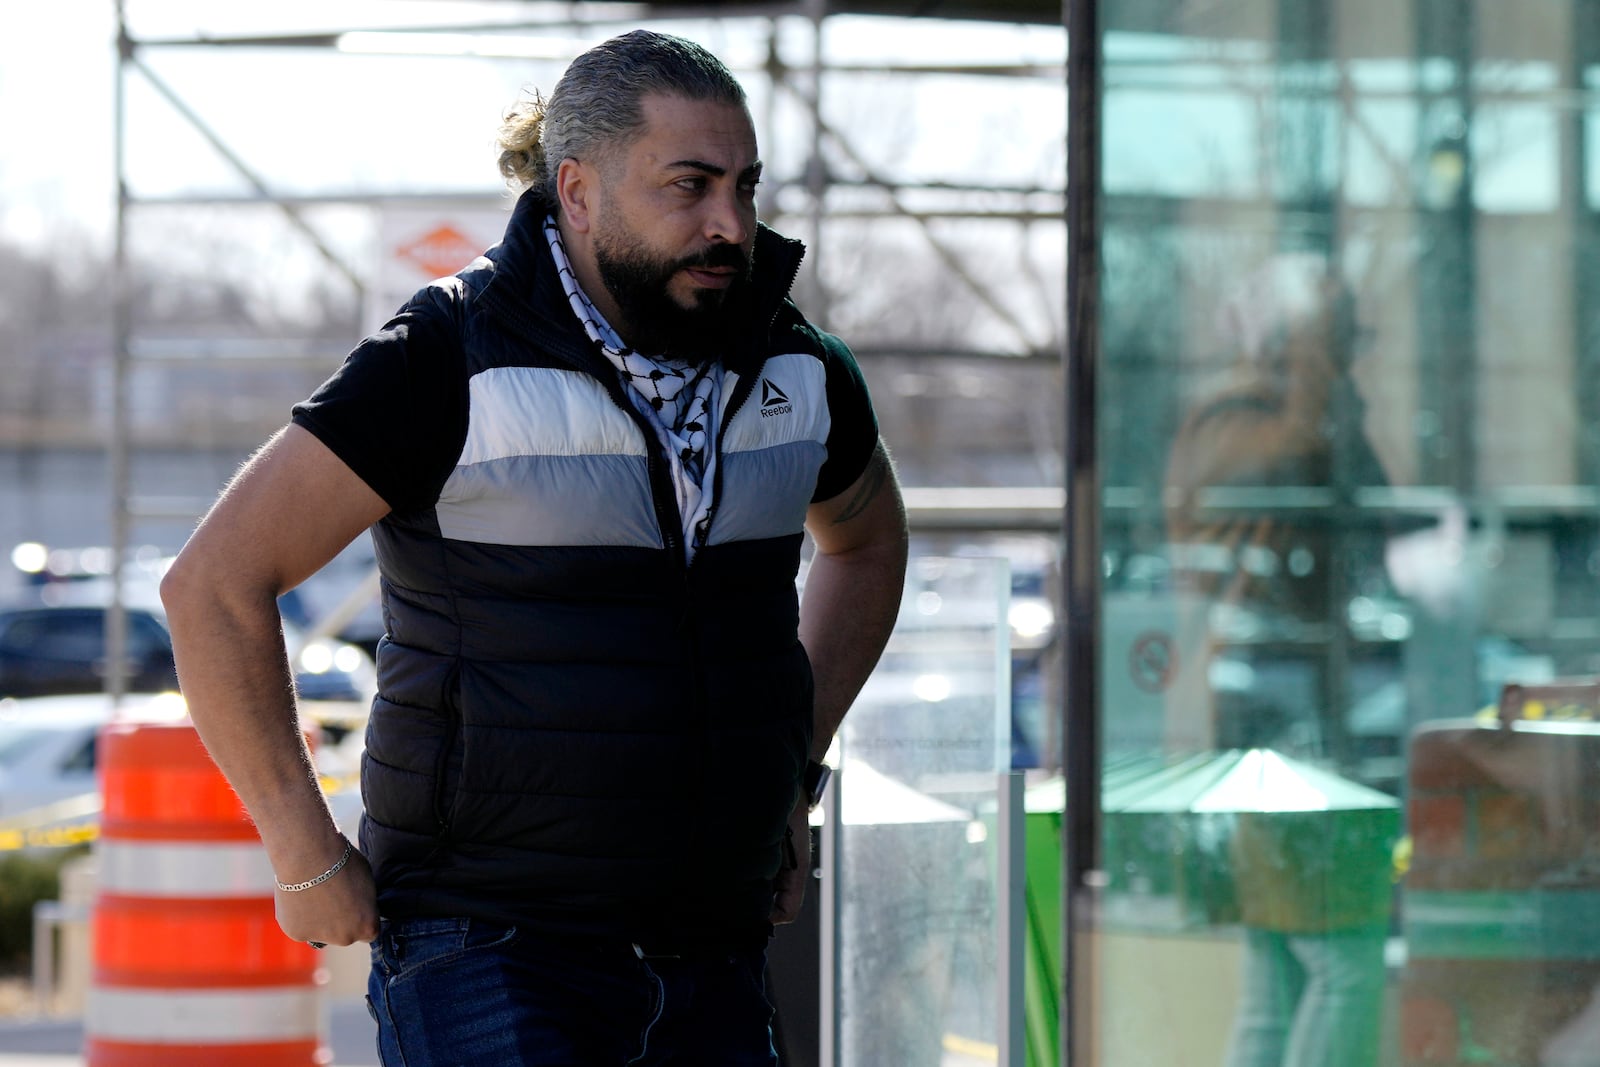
316	658
1031	618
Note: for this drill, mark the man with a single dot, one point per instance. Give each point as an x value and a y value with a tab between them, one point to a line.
587	461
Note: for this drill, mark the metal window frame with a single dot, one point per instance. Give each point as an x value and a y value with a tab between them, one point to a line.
1081	592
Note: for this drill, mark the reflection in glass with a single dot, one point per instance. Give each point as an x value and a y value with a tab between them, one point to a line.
1350	463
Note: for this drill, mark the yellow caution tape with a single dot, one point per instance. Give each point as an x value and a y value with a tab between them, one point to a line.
334	785
49	836
78	808
65	823
76	820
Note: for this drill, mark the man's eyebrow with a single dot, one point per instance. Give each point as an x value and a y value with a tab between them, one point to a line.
714	169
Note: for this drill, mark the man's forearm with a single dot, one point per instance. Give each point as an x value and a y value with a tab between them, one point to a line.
235	677
291	509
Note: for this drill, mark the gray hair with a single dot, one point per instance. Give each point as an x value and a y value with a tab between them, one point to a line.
595	107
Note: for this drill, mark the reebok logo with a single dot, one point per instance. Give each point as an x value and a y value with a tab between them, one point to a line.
773	400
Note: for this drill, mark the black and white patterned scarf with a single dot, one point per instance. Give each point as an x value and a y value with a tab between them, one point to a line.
678	398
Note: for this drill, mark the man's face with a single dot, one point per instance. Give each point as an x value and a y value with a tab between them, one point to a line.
678	223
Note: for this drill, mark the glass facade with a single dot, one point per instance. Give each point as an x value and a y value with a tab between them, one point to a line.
912	936
1349	359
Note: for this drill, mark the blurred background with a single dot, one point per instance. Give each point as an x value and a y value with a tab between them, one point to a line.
203	207
288	177
1334	388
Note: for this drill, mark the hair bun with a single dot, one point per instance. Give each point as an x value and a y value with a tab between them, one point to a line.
521	156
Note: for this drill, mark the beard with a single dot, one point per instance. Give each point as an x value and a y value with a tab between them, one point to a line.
653	321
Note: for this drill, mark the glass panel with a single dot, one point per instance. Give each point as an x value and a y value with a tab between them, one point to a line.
1349	455
919	759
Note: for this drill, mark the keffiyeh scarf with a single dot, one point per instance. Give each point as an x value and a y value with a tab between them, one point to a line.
678	398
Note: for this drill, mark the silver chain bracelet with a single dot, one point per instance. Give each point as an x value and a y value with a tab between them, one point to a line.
300	887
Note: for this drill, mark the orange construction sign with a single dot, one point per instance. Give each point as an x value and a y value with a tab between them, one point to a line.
440	251
420	243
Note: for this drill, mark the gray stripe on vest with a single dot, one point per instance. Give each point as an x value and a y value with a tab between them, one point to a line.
551	460
766	493
773	451
551	500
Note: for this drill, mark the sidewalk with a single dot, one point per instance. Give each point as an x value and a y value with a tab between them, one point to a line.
59	1042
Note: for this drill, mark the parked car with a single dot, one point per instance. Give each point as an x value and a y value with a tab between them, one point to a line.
57	645
47	745
48	753
48	651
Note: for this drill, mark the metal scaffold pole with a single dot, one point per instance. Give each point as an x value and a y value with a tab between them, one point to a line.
117	448
816	176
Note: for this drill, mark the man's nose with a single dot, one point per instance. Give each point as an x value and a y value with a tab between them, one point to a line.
729	217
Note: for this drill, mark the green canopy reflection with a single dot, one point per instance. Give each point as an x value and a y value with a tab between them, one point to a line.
1261	780
1252	834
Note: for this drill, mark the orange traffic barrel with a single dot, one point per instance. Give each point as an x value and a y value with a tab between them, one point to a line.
189	968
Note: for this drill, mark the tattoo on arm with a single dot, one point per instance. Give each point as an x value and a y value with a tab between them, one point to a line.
872	480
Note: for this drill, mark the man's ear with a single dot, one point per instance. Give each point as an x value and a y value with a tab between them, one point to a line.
576	186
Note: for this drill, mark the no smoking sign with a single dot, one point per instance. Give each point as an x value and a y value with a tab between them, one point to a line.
1153	661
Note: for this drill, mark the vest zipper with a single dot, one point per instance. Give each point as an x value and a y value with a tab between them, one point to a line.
662	494
747	384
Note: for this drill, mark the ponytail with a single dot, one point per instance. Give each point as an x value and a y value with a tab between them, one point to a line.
521	155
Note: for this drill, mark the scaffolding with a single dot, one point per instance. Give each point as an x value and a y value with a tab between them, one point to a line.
837	188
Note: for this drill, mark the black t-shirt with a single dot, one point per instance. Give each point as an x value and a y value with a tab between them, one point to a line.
396	412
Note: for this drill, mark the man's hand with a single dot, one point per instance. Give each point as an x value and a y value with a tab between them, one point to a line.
340	911
790	885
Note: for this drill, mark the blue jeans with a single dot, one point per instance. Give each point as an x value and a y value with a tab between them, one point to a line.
449	992
1310	1000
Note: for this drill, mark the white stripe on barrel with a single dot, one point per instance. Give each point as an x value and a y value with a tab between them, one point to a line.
203	1017
224	870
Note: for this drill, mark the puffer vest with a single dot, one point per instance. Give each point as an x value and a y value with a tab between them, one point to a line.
575	731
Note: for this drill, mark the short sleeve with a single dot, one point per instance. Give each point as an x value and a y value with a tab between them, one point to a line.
395	412
854	432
